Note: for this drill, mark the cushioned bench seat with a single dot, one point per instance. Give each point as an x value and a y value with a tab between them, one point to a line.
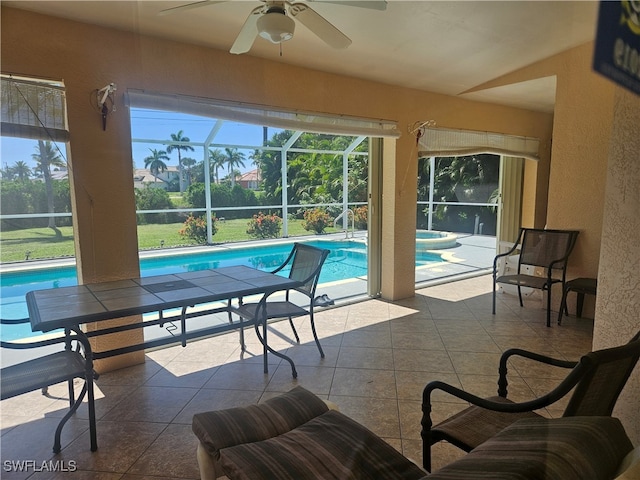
567	448
295	436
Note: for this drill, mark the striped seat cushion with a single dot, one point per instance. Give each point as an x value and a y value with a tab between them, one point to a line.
225	428
331	446
568	448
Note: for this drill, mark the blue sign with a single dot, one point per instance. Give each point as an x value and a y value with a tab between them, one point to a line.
617	48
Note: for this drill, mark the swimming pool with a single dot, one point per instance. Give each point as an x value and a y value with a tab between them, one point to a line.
348	259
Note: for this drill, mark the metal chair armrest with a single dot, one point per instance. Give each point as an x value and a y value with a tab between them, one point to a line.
506	356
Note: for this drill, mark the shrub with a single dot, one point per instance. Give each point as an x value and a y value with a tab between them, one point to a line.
154	198
360	218
264	226
316	220
195	228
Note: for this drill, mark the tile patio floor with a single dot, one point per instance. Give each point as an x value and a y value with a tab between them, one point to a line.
379	355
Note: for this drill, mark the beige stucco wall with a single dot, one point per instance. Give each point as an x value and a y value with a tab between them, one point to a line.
581	132
618	302
574	183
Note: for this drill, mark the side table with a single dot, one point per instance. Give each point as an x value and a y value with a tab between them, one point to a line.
581	286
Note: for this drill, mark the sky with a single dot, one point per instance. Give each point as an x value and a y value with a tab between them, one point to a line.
153	125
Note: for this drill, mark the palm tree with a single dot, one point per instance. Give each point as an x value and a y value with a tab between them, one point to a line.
21	170
234	159
177	137
188	163
217	160
155	162
46	157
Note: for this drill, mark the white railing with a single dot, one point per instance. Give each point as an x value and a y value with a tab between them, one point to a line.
346	223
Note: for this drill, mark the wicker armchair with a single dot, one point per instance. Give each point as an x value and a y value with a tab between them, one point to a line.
596	380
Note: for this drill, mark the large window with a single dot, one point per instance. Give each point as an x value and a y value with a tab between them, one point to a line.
209	180
35	201
459	194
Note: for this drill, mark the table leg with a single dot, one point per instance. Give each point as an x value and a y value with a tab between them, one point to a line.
563	305
580	304
183	323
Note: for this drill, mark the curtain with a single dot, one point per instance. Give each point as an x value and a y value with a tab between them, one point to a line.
441	142
510	213
263	115
33	109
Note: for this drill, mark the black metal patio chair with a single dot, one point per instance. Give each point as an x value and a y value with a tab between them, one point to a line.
50	369
546	249
305	264
596	380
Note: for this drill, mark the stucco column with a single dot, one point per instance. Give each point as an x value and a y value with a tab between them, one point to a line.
617	316
105	227
399	197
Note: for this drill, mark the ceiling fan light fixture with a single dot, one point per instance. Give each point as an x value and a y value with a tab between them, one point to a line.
276	27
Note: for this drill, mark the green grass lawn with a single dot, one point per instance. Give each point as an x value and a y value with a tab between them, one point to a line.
41	243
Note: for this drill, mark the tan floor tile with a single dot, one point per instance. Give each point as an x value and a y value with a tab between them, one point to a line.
75	475
410	418
171	454
135	375
183	374
379	357
33	440
417	341
379	415
411	384
120	444
470	343
151	404
308	355
475	363
242	376
414	324
365	357
367	337
422	360
207	400
363	382
315	379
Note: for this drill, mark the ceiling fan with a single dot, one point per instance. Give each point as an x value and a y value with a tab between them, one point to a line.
274	21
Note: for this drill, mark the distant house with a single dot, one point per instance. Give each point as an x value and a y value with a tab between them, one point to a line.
142	177
250	180
60	174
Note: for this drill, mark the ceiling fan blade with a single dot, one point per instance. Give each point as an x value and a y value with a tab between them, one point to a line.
189	6
248	33
371	4
319	25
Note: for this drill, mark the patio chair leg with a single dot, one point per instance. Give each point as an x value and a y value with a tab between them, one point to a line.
266	348
520	296
494	297
549	307
315	335
295	333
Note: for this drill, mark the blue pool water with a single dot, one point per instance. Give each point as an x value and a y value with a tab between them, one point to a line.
348	259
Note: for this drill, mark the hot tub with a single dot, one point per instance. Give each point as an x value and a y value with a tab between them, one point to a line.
433	240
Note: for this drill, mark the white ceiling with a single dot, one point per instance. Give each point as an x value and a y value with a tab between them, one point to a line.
444	47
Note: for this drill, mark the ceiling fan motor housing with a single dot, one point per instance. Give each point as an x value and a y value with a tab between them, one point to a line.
275	25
